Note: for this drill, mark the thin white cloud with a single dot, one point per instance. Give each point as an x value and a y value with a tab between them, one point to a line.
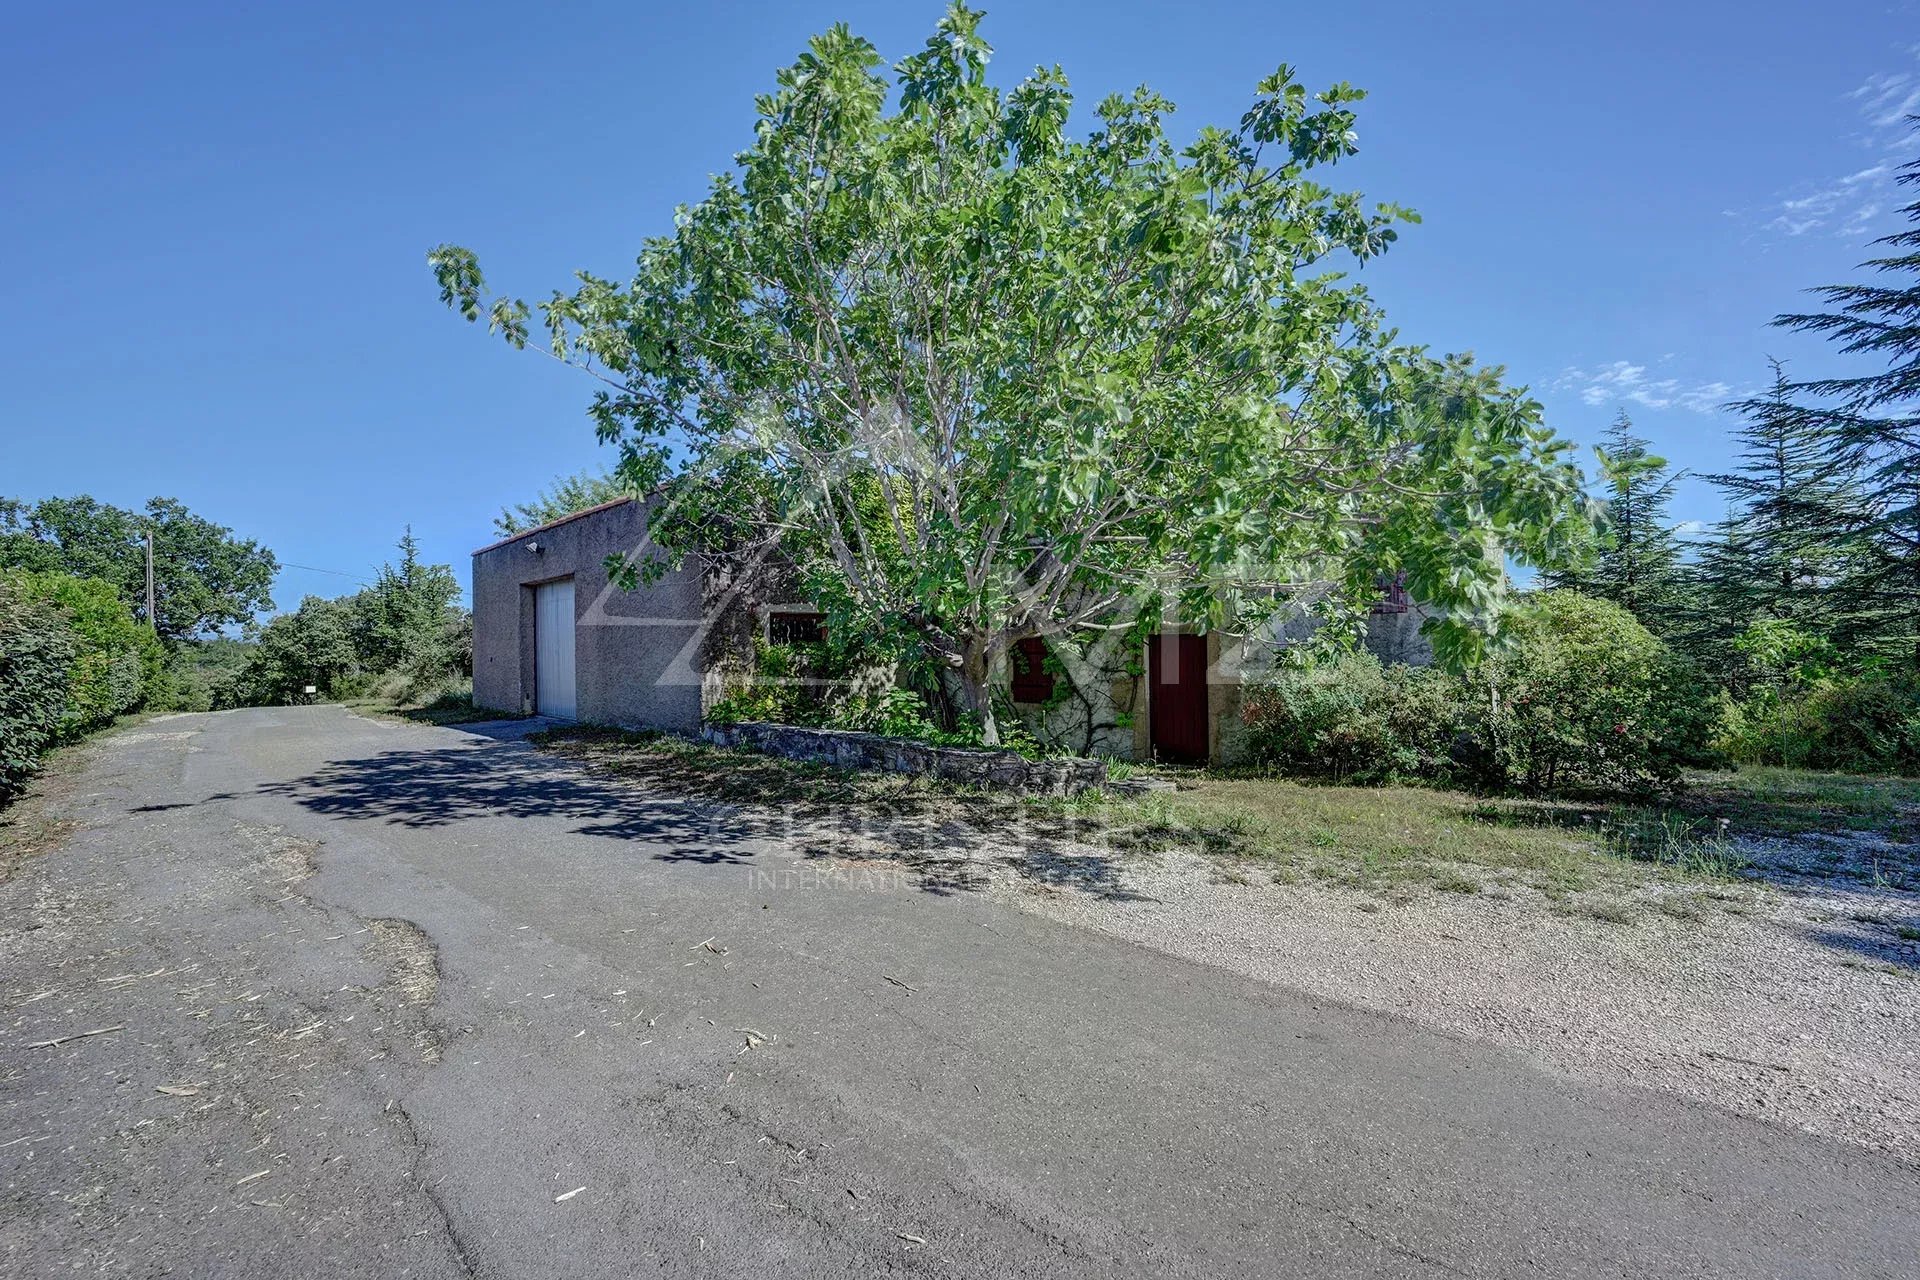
1887	100
1846	206
1690	528
1707	397
1623	382
1853	200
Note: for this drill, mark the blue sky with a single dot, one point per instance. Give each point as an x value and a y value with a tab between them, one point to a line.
214	222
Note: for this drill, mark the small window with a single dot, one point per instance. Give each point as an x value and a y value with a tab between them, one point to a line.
796	628
1393	595
1032	682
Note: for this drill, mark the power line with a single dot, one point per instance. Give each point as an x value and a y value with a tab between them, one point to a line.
314	568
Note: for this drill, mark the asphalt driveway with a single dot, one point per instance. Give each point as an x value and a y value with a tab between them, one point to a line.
374	998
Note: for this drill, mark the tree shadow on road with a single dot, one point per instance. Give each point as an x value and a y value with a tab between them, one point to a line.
948	836
447	785
698	804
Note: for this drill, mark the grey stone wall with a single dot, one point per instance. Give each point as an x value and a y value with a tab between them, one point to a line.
1095	698
1002	770
638	655
1395	637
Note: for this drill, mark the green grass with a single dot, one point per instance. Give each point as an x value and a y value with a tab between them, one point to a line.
1396	839
1391	841
1765	800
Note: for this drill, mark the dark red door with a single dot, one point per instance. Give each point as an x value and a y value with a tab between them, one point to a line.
1177	685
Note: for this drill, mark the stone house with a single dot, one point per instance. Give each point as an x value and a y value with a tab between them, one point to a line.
554	633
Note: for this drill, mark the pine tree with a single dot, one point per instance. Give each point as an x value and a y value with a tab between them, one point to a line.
1722	600
1637	565
406	611
1873	424
563	497
1783	545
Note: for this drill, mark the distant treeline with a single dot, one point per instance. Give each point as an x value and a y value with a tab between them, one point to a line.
77	647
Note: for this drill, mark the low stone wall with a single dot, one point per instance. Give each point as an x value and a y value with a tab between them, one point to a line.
1002	770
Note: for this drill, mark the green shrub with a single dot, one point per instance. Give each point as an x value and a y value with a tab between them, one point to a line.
1580	695
205	675
1865	723
37	651
116	660
1349	718
824	687
897	713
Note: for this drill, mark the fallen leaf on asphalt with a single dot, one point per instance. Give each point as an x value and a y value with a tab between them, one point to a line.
568	1195
177	1090
914	1239
252	1176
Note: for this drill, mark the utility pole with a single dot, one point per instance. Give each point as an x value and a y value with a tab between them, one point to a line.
153	623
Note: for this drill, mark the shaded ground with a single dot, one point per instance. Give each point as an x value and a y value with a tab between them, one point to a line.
376	998
1773	974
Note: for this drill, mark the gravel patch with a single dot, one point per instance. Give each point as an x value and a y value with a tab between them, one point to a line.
1792	997
1799	1006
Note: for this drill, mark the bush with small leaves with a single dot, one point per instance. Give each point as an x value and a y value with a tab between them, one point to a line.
1579	695
116	659
1349	718
1582	696
36	652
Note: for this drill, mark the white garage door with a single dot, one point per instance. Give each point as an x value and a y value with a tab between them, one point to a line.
553	649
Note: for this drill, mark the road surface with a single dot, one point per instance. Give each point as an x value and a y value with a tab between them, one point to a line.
377	998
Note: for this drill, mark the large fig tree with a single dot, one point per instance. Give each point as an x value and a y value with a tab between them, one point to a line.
990	381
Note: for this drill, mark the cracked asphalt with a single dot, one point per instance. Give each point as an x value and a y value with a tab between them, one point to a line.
380	999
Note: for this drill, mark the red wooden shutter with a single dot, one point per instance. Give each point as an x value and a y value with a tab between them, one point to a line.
1032	682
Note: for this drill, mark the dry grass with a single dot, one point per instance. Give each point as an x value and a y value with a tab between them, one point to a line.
1395	841
1391	840
447	709
27	832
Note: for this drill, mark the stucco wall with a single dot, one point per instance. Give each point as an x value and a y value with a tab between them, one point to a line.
637	654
